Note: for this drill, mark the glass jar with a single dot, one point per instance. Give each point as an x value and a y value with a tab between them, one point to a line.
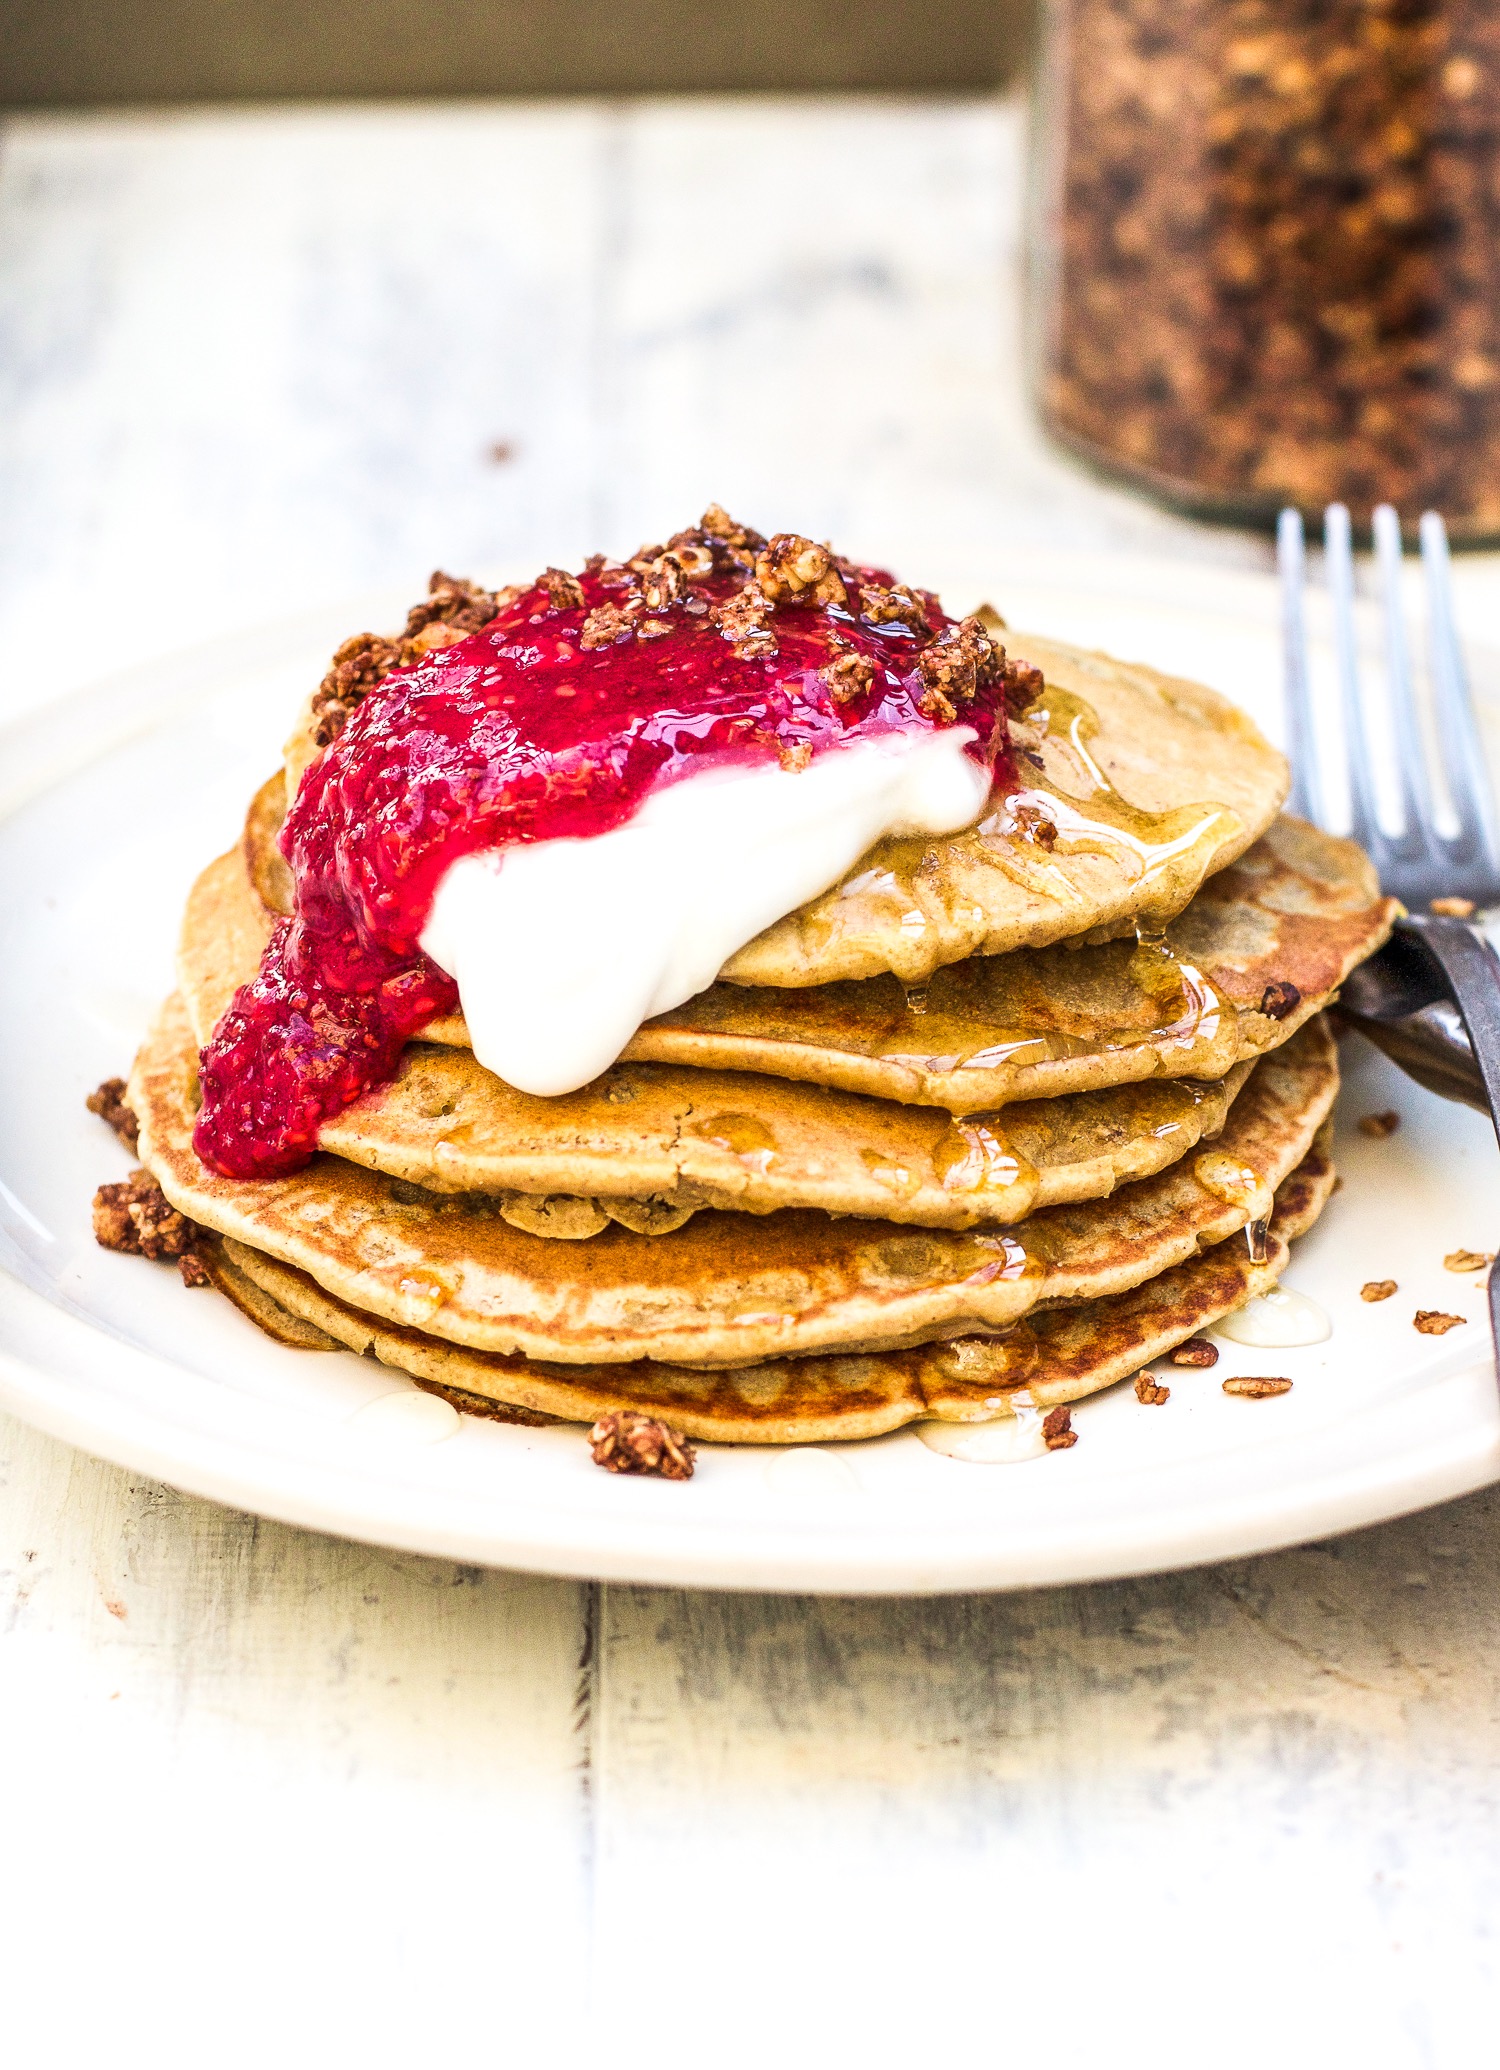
1266	251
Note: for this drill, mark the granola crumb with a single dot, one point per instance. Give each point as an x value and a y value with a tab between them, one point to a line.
662	582
451	611
1057	1430
605	624
1453	908
897	605
193	1270
1194	1351
794	570
1377	1290
795	757
848	677
1257	1387
564	591
626	1442
954	667
1150	1391
742	618
108	1102
1022	685
1468	1261
1033	825
1280	999
1432	1322
717	524
134	1215
1385	1124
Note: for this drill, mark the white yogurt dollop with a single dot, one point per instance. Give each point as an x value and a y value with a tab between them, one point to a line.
560	949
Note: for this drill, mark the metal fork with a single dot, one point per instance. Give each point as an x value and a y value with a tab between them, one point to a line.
1431	997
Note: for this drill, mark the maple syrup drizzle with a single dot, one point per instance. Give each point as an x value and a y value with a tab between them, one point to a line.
1079	811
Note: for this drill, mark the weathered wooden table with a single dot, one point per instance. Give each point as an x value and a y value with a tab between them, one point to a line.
268	1797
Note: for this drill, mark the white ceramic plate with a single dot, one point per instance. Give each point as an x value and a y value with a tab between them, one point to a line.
111	803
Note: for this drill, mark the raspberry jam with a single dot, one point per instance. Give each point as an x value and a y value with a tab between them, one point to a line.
556	718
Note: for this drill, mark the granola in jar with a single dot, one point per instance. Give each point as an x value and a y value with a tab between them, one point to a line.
1267	251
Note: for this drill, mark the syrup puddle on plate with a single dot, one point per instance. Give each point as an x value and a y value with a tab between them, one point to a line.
808	1470
1278	1321
1005	1442
407	1418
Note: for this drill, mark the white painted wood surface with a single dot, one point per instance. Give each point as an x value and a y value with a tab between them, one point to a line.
272	1798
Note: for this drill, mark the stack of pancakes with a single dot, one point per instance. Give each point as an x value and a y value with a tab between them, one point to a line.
998	1118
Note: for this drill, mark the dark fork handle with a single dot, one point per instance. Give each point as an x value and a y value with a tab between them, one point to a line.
1405	998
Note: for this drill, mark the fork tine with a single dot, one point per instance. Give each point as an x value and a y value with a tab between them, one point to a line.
1301	741
1338	549
1417	832
1458	734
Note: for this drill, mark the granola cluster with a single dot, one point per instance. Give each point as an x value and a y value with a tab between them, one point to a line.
1273	274
108	1102
726	574
134	1215
1280	999
451	611
625	1442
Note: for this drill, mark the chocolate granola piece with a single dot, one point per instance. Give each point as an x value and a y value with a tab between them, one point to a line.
564	591
794	570
108	1102
897	605
1151	1391
1057	1429
461	607
1035	825
661	582
954	667
1195	1351
605	624
694	555
1432	1322
609	574
451	611
1279	999
849	676
726	532
743	618
625	1442
358	665
1378	1125
1257	1387
135	1215
1020	685
1377	1290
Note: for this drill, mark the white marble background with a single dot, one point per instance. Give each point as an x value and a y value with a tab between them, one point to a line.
268	1797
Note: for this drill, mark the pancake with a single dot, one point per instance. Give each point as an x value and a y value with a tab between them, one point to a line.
727	1289
1299	910
1057	1356
1283	926
648	1144
1133	787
